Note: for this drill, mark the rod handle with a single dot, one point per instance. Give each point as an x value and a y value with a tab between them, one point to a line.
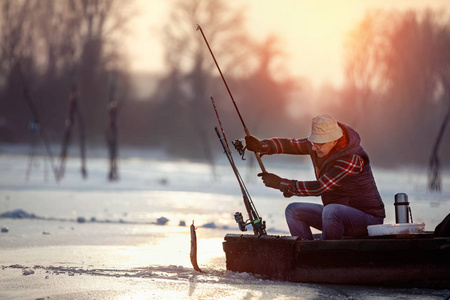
258	157
261	165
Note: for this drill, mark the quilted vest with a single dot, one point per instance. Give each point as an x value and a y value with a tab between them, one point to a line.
359	191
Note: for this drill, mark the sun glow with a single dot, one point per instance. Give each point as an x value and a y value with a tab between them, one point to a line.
172	250
311	33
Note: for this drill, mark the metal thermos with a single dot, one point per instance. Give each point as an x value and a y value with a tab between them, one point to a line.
402	208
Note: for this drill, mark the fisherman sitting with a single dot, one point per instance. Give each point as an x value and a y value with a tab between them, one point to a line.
344	180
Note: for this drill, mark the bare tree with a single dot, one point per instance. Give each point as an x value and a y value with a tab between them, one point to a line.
249	68
53	38
399	56
268	88
192	72
434	167
362	68
18	37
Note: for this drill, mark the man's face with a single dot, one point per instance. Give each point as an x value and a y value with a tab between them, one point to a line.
323	149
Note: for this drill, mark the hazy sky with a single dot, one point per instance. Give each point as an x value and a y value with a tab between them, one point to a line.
312	32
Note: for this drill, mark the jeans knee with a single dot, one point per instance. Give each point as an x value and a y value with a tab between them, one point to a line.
289	210
332	211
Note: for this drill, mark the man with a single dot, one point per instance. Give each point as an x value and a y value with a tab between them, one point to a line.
344	180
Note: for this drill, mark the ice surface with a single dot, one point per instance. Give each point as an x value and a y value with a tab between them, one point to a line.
91	238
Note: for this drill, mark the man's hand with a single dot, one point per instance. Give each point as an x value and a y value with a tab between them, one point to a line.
271	180
253	144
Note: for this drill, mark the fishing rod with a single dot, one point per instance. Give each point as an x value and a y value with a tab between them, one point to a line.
259	226
247	132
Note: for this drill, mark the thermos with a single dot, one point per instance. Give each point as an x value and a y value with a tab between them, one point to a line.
402	209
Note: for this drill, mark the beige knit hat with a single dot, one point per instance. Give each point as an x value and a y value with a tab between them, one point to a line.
325	129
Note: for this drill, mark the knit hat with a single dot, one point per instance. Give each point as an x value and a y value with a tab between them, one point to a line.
325	129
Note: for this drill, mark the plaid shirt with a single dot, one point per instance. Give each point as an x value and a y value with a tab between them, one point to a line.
343	167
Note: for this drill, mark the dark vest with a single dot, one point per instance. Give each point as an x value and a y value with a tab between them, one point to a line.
359	191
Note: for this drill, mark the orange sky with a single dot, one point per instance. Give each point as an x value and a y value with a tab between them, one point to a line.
312	32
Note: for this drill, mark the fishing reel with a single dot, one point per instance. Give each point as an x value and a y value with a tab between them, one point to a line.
238	145
259	226
240	220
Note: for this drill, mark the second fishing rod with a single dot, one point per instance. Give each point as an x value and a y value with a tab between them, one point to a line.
247	132
257	223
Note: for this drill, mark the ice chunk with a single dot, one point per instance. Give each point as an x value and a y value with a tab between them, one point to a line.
18	213
162	221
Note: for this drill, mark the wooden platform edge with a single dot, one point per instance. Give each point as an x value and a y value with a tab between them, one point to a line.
387	262
271	256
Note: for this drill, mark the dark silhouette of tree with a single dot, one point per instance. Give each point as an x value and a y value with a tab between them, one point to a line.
399	57
434	167
362	73
17	65
184	114
268	89
74	116
58	45
112	129
183	110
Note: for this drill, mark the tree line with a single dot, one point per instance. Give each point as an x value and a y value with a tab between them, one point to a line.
395	92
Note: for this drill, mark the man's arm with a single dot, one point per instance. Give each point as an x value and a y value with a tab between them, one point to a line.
335	177
285	146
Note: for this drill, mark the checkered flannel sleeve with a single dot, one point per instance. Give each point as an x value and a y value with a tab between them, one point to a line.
335	177
283	145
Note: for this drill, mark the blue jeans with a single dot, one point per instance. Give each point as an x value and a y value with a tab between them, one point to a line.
334	220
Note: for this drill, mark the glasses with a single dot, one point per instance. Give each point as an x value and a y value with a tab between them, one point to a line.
318	146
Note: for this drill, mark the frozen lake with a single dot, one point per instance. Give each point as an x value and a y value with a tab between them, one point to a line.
122	243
